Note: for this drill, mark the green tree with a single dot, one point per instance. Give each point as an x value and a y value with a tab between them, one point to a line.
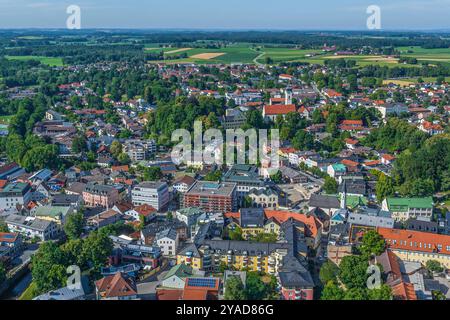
328	272
74	225
235	234
2	273
3	227
152	173
384	187
49	267
434	266
332	291
353	271
355	294
116	148
234	289
96	248
383	293
372	243
124	158
330	186
277	177
79	144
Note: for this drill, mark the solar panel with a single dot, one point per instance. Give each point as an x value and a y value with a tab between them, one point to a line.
202	282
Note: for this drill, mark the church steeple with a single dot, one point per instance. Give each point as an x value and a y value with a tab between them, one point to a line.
344	195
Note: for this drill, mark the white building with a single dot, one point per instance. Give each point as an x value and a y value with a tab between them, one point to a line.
167	241
155	194
17	193
31	227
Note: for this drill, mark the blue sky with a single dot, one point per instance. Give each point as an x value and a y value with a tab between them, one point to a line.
228	14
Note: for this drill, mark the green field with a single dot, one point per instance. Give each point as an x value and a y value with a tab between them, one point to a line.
51	61
421	54
249	53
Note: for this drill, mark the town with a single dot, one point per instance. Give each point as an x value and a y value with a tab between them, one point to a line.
88	181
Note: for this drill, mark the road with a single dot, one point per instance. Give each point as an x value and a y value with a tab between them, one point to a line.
147	289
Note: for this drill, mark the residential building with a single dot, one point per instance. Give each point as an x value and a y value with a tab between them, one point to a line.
52	213
31	227
404	208
155	194
15	193
190	217
168	241
99	195
212	197
246	178
183	184
116	287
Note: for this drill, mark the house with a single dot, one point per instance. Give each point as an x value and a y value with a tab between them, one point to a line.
10	171
168	241
329	204
336	169
12	242
116	287
183	184
104	218
351	125
199	288
387	159
31	227
175	278
155	194
146	211
431	128
51	213
296	282
404	208
391	108
401	290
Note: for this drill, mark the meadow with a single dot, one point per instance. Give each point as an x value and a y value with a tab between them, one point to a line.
51	61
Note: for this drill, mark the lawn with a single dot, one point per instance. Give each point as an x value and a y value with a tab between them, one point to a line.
284	54
51	61
29	292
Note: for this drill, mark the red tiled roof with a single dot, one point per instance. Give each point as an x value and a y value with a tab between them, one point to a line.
279	109
416	241
404	291
145	210
349	163
8	237
116	286
171	295
352	122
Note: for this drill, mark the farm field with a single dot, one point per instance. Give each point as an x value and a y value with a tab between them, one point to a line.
409	81
422	54
51	61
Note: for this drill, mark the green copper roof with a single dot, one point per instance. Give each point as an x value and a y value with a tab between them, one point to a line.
403	204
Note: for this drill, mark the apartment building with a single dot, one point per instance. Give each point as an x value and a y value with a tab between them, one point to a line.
155	194
13	194
212	197
99	195
31	227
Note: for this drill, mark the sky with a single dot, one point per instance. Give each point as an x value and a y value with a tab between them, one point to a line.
228	14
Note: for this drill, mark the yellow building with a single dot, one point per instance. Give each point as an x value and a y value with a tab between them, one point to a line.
238	255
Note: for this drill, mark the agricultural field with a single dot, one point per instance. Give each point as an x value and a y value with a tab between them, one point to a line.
421	54
405	82
51	61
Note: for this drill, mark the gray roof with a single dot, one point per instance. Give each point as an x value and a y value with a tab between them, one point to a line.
28	222
252	218
323	201
212	188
